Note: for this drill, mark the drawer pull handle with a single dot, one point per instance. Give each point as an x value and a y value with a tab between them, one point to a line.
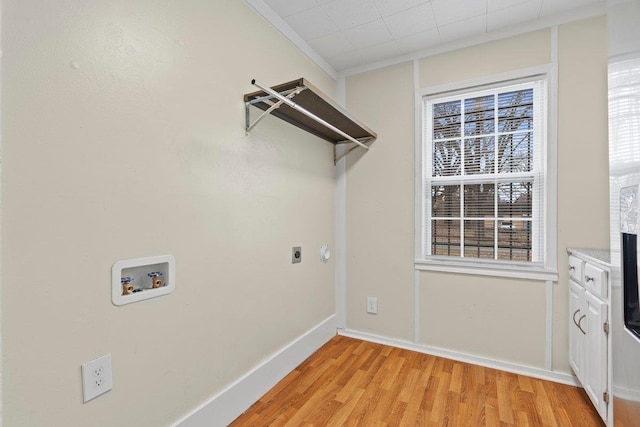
572	268
579	322
589	279
574	317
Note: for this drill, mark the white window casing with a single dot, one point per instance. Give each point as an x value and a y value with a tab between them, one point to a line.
495	170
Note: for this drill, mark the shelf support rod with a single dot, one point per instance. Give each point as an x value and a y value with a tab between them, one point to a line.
269	110
306	113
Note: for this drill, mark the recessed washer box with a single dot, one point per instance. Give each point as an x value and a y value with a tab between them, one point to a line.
134	280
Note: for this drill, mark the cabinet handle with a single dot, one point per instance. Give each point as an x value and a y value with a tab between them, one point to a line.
571	268
574	317
588	279
579	322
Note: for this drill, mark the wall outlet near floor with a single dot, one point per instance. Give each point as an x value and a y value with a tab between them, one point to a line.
96	377
372	305
296	254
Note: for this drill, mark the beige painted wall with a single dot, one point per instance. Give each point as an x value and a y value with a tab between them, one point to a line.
496	57
583	184
379	210
491	317
122	137
499	318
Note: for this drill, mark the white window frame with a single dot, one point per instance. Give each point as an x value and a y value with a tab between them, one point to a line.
546	268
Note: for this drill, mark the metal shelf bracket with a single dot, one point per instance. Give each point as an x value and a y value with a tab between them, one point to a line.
288	94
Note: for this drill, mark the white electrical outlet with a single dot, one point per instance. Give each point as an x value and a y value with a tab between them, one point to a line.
372	305
96	377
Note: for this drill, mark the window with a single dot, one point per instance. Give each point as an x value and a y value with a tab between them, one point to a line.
483	175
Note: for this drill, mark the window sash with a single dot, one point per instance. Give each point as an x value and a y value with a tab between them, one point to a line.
462	175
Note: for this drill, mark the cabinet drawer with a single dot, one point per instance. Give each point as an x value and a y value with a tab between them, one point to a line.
575	268
595	280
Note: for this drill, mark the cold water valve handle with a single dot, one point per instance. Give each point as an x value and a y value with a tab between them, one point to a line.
156	282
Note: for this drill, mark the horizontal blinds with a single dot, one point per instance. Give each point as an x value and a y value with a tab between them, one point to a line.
484	173
624	114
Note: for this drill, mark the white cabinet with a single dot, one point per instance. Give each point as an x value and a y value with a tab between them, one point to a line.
576	332
588	328
595	352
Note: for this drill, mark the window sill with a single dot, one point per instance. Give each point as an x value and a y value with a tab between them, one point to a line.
482	269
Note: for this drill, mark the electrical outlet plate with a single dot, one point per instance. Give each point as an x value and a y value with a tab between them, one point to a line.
372	305
296	254
97	377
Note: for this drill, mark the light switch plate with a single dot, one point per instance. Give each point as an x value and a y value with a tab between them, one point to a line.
372	305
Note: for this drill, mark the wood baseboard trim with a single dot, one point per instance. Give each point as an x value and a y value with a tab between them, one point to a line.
529	371
227	405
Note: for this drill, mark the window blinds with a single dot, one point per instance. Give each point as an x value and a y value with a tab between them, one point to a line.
624	115
484	173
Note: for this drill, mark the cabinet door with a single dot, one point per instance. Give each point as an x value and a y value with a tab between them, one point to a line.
594	369
576	328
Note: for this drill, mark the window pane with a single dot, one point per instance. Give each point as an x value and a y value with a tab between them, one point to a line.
446	120
479	155
515	199
447	158
479	115
479	239
515	152
514	241
445	237
515	111
445	201
479	200
479	193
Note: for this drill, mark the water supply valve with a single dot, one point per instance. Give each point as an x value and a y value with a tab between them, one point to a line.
127	287
156	282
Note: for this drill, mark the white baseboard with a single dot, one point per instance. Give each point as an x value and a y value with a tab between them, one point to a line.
529	371
227	405
626	393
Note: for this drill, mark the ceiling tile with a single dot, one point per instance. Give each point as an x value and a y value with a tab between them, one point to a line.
511	16
349	13
331	45
369	34
552	7
380	52
411	21
390	7
448	11
419	41
311	23
346	60
288	7
494	5
461	29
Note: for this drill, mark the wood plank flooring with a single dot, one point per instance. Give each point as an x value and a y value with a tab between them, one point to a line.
349	382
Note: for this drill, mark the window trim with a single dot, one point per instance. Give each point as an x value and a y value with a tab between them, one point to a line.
544	270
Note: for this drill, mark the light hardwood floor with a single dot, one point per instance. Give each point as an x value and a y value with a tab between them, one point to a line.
349	382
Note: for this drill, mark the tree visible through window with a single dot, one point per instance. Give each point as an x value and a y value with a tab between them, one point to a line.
482	191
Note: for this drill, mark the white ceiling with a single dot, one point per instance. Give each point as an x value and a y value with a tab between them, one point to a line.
354	33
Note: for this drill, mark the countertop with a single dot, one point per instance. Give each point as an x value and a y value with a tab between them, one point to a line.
600	256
